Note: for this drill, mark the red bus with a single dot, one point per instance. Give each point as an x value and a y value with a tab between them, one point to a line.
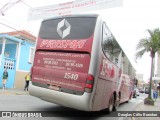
79	64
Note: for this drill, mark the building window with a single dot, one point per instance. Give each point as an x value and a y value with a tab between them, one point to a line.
31	55
7	54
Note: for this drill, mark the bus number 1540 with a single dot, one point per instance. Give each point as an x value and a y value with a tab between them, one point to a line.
71	76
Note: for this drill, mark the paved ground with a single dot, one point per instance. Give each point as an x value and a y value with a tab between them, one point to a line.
140	107
13	91
143	107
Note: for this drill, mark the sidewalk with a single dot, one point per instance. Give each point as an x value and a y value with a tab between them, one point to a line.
13	91
144	107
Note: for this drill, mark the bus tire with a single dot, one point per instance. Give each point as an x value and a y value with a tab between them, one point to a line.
116	104
129	98
111	104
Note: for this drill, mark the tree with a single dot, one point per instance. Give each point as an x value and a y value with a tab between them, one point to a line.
150	44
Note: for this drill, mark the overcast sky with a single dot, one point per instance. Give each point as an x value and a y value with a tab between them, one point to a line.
128	23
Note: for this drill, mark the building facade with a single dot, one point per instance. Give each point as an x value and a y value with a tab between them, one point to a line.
16	54
140	80
158	65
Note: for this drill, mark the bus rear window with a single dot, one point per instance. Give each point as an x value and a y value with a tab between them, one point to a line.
67	28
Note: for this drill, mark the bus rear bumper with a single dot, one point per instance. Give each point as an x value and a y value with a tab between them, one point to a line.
79	102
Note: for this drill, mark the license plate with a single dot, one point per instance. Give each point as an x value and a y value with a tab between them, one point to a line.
53	87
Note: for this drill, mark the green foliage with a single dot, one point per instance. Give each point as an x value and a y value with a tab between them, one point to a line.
150	44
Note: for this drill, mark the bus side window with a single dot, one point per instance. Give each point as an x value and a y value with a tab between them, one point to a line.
110	46
116	60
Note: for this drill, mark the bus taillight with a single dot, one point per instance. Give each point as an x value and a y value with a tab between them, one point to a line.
89	83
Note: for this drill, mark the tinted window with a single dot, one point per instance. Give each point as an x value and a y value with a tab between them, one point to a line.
67	28
110	46
113	51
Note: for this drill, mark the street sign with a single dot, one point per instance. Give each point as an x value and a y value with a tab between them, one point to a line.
77	6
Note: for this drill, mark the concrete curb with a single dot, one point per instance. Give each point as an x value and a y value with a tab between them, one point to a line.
139	105
13	92
142	107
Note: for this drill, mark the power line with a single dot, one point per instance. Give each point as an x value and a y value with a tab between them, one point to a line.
13	28
17	26
8	5
26	4
8	26
9	22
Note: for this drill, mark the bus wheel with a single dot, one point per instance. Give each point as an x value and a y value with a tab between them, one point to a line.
116	104
111	104
130	97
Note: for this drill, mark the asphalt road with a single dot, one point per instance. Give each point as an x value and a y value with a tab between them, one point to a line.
28	103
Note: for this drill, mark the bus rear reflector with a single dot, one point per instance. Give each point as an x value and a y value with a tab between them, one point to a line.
89	84
90	77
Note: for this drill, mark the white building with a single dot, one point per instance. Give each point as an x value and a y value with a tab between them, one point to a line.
157	72
156	77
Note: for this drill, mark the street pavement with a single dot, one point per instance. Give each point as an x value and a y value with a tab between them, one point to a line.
13	91
140	107
143	107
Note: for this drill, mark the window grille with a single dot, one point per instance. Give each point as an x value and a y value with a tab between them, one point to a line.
9	64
